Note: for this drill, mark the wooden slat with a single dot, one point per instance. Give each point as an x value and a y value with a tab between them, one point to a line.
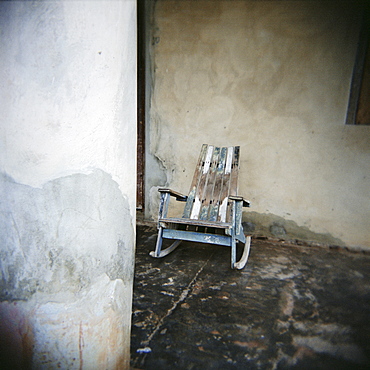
233	190
208	194
225	186
213	211
202	184
194	184
187	221
234	172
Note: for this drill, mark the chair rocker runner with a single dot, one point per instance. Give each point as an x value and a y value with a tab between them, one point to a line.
213	210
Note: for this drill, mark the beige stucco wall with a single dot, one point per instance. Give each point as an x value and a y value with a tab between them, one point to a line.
67	183
274	78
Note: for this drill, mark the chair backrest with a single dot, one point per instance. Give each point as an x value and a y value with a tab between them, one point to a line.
215	178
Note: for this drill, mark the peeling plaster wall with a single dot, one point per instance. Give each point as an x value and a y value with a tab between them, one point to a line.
274	78
67	183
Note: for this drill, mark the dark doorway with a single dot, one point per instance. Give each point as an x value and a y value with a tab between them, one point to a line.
140	201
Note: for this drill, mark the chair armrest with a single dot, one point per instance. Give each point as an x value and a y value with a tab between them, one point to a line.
246	203
180	197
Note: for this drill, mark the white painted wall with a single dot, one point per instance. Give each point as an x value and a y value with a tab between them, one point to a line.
68	181
69	76
274	78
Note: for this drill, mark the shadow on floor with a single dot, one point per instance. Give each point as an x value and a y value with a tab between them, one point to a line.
291	307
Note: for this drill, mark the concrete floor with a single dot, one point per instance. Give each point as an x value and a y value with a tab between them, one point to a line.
291	307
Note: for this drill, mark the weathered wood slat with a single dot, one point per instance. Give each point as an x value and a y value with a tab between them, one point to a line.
194	184
189	221
199	195
225	186
233	189
214	207
234	172
208	194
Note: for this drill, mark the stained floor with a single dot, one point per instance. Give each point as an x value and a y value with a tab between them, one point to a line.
291	307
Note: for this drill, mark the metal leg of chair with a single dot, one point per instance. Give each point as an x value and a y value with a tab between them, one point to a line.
158	253
158	246
244	258
233	252
170	249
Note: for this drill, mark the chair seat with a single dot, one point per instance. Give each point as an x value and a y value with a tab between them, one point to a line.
194	222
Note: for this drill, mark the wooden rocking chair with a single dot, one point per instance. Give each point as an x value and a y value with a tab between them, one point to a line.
213	210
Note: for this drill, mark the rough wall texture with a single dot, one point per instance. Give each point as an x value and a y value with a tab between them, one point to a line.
272	77
67	262
67	183
87	221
